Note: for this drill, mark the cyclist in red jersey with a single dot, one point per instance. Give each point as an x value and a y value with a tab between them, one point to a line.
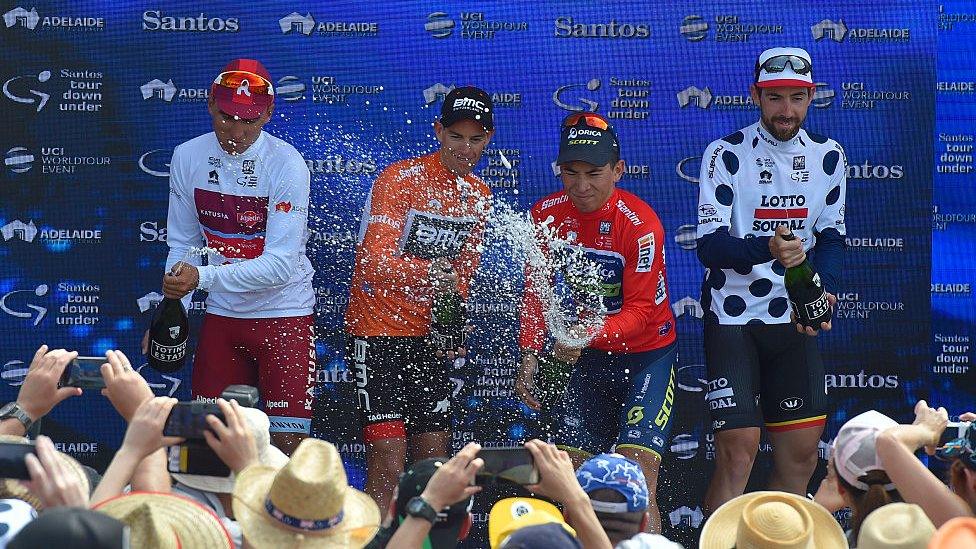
628	367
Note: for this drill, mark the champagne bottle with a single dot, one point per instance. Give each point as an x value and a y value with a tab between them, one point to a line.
552	379
807	294
167	336
447	321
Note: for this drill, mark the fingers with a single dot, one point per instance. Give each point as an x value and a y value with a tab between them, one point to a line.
41	351
65	393
968	416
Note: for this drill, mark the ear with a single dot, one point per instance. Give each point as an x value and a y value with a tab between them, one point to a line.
439	131
618	170
465	528
754	92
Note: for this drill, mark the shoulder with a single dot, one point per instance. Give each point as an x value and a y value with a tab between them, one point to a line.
479	184
285	154
638	213
548	204
403	169
733	140
197	145
828	150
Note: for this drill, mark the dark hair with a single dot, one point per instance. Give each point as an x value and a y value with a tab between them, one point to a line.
618	526
868	500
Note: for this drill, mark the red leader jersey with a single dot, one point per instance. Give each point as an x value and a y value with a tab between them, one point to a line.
626	239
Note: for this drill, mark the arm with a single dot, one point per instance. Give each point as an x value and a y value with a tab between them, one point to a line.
380	262
896	447
143	437
182	225
558	482
286	228
828	258
450	484
831	228
717	249
39	392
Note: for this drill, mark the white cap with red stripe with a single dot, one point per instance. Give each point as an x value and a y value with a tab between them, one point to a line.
784	67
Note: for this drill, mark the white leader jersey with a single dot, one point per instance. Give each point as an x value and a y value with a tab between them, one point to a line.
253	209
750	183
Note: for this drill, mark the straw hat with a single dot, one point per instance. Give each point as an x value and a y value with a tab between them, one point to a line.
167	521
958	533
772	520
306	503
259	425
511	514
14	489
896	525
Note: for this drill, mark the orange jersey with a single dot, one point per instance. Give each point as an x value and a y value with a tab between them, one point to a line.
416	211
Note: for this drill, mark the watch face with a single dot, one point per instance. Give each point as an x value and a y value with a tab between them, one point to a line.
415	506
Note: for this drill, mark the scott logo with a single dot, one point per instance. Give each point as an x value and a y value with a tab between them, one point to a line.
791	403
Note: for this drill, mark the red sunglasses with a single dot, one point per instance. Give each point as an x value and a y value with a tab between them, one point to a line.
591	119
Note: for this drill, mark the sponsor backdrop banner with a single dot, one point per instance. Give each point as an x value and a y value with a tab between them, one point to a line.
97	94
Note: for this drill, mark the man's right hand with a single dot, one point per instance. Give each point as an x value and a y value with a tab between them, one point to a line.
788	252
40	393
125	388
525	382
442	275
933	421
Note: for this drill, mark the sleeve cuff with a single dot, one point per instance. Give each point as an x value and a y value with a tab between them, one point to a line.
207	274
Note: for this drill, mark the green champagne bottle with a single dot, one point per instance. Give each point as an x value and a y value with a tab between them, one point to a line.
807	294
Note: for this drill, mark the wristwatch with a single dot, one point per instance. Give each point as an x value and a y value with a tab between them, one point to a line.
418	507
13	410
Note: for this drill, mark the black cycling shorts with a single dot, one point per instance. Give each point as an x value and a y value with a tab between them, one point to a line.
764	374
402	387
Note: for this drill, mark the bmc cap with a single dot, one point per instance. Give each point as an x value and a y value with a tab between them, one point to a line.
469	103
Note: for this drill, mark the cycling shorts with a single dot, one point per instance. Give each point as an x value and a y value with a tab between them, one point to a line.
637	387
276	355
763	374
402	387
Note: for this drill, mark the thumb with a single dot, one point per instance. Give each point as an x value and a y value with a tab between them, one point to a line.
65	393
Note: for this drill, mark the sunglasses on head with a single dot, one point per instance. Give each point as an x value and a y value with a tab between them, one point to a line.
778	64
245	82
590	119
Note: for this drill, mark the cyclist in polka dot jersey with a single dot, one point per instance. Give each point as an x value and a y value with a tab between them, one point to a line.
759	184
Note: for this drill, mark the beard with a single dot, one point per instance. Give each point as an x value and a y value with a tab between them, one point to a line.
775	126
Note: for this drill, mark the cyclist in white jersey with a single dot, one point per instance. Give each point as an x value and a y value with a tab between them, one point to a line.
759	184
244	193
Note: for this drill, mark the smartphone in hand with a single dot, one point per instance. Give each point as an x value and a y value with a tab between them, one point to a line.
189	419
12	464
84	372
508	464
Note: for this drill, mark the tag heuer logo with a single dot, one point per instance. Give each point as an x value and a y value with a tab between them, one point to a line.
174	332
799	162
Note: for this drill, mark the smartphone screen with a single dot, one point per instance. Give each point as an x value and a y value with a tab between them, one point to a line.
194	458
12	464
189	419
511	464
84	372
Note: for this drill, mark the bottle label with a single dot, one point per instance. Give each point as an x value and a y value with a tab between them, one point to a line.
168	353
817	307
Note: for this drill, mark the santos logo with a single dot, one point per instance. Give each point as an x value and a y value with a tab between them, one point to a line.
861	380
566	27
154	20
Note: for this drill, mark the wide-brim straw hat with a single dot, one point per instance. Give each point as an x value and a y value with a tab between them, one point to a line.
167	521
772	520
306	503
896	526
259	425
14	489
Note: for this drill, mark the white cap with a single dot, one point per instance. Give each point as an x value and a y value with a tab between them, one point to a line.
854	447
787	77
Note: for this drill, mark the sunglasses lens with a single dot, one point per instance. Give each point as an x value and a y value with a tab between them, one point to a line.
245	80
591	120
778	64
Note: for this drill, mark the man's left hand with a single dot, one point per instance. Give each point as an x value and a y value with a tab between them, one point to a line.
175	286
824	326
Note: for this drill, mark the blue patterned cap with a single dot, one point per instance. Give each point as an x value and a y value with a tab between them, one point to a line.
618	473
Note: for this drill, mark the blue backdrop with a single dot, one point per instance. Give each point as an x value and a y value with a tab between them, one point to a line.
96	94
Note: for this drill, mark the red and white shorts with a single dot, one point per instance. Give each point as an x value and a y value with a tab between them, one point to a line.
276	355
